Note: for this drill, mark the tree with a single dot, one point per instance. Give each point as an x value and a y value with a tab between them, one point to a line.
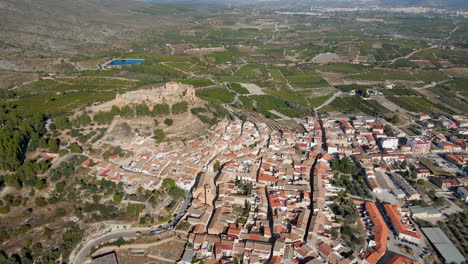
83	119
40	184
180	107
403	165
62	122
115	110
117	197
40	201
143	110
216	166
120	242
127	111
168	121
53	144
159	135
75	148
168	183
161	109
176	193
77	212
4	209
12	144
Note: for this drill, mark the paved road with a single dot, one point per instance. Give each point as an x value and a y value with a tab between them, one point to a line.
82	255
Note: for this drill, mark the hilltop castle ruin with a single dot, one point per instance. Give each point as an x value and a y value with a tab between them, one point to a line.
170	93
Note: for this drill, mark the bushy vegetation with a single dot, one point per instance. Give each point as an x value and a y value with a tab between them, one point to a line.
180	107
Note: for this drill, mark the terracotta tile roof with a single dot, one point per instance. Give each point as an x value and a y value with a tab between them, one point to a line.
380	234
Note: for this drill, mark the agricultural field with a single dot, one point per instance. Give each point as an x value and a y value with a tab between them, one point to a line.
246	101
277	75
198	82
318	101
156	69
385	50
76	84
383	75
308	79
449	96
223	57
353	104
252	72
416	25
268	102
340	68
401	91
350	87
430	76
55	104
222	95
418	104
436	55
238	88
183	66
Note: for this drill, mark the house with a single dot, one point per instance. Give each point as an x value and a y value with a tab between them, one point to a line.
424	212
419	145
401	224
389	143
399	259
446	183
422	117
380	235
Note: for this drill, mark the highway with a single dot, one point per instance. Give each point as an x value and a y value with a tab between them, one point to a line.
81	256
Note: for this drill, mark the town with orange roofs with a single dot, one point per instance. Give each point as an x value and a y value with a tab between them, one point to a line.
339	191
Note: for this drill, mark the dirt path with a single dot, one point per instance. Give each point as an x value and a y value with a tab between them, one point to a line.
329	100
411	54
451	32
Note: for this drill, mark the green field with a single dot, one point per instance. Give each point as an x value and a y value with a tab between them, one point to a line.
252	71
223	57
435	54
341	68
222	95
401	91
54	104
246	101
318	101
352	104
306	79
277	75
238	88
183	66
418	104
76	84
198	82
269	102
383	75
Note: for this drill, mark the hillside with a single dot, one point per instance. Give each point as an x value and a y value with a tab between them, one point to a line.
66	26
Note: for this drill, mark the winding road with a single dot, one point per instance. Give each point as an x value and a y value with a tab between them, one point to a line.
82	255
